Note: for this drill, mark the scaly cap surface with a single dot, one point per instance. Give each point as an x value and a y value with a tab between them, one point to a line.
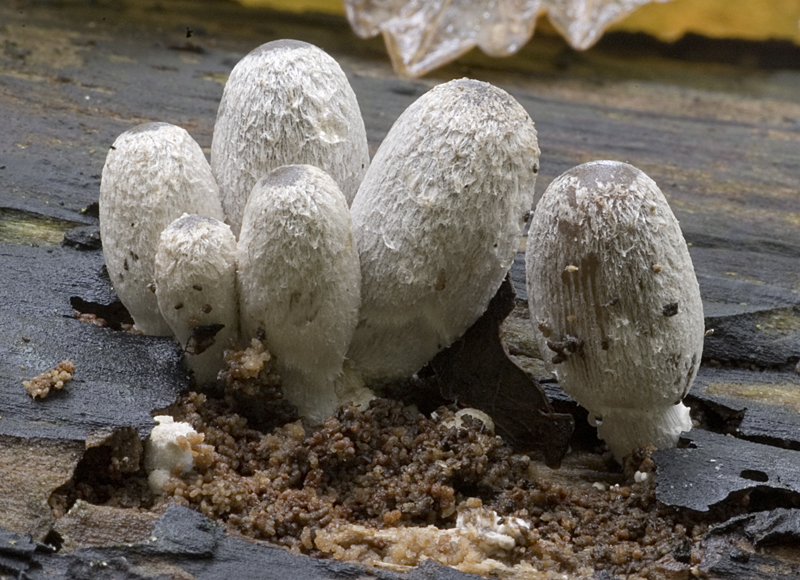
615	303
153	174
285	103
437	222
299	281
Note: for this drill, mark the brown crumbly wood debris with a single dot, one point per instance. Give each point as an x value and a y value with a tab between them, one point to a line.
40	385
383	486
90	319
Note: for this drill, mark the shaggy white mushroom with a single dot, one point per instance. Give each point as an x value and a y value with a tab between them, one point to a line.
614	299
299	283
195	276
153	174
286	103
437	222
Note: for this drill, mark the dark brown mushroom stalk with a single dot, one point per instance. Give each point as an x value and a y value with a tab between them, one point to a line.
615	302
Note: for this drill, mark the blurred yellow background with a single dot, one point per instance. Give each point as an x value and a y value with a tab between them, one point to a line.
742	19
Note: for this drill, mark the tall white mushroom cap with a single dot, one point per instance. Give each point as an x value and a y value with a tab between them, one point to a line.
153	174
195	275
286	103
299	282
615	302
437	222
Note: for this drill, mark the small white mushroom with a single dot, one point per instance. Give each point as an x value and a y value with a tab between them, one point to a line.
286	103
195	275
153	174
437	222
299	282
167	451
625	339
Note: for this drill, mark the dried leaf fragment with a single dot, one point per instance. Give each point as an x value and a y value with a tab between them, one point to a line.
422	36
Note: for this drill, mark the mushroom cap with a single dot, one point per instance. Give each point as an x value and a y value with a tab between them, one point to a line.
152	175
195	275
299	280
437	222
613	295
287	102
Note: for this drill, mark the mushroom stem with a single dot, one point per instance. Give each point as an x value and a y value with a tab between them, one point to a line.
625	430
317	398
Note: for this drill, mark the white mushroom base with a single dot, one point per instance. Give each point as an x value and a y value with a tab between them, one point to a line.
625	430
317	400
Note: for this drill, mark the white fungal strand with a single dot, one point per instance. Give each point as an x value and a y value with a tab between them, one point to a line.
195	275
490	532
624	338
299	282
167	451
287	102
153	174
437	221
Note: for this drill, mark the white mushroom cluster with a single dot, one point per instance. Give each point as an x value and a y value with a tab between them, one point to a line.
355	273
615	302
263	243
154	173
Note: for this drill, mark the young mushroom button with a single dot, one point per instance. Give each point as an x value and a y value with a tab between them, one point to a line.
615	302
287	102
299	282
195	275
437	222
153	174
